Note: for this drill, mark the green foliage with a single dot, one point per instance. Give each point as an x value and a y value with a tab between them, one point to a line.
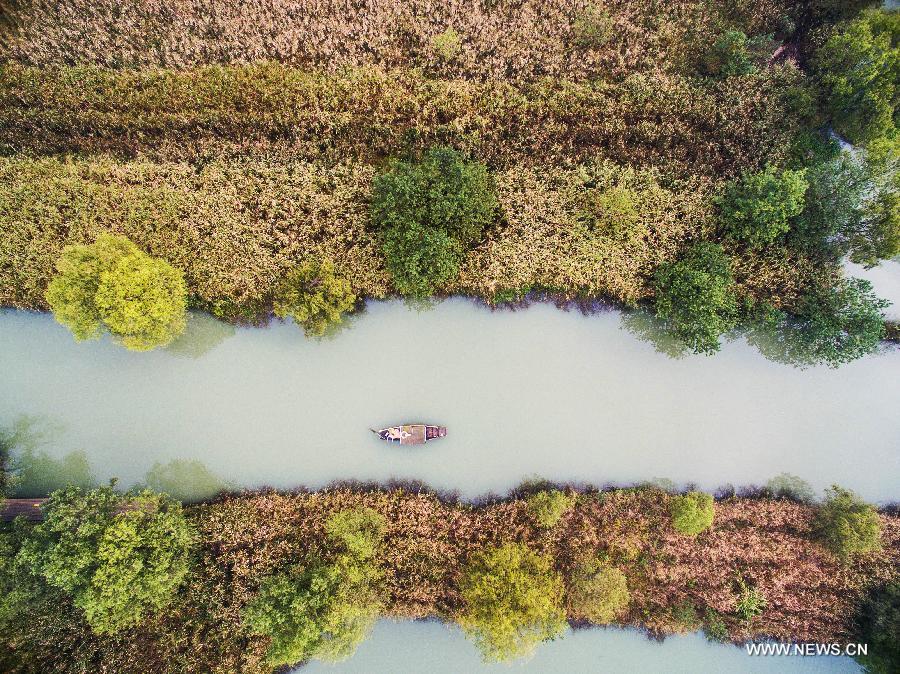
614	212
118	558
750	602
692	513
832	325
729	56
597	592
858	68
852	206
548	507
879	627
429	212
512	600
685	616
446	45
757	209
323	611
314	296
593	27
714	626
111	284
358	530
790	486
847	525
695	297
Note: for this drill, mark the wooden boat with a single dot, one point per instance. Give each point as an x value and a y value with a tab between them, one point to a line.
411	434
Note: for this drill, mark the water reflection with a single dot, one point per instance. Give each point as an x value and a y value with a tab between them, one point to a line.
185	480
648	328
202	334
790	486
33	471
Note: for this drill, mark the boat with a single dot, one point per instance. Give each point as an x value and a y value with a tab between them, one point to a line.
410	434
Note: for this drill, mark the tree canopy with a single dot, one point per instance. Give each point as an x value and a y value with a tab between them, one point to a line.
111	285
695	297
858	68
315	296
118	557
429	211
692	513
512	600
847	525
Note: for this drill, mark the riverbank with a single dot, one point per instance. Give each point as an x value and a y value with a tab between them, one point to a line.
677	584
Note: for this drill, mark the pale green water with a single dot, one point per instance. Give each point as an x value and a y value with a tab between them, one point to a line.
535	392
432	648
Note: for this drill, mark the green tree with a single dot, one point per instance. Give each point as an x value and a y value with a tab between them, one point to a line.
879	627
597	592
847	525
324	611
117	557
852	206
729	56
359	530
512	601
832	324
112	285
695	297
858	68
429	212
314	296
548	507
757	209
692	513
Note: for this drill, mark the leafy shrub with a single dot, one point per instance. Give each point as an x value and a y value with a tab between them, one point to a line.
832	325
512	601
858	68
714	626
695	297
548	507
614	211
118	558
597	592
847	525
593	27
879	623
446	45
692	513
314	296
112	285
750	602
358	530
324	611
429	212
757	209
684	615
729	56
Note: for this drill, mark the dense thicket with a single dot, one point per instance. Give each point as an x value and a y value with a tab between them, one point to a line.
283	577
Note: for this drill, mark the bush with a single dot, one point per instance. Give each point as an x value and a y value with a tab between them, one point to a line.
593	27
831	325
729	56
429	212
695	297
714	626
548	507
847	525
692	513
684	615
359	530
858	69
112	285
314	296
324	611
597	592
750	603
757	209
446	45
512	600
119	558
879	627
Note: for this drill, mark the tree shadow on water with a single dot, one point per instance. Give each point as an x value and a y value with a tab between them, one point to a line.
32	471
644	325
202	334
186	480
